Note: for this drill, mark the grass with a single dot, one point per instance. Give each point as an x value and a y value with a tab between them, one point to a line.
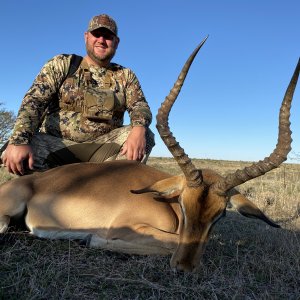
244	259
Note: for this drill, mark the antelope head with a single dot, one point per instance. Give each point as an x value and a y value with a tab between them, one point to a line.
202	194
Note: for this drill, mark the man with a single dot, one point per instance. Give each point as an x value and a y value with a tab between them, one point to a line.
65	119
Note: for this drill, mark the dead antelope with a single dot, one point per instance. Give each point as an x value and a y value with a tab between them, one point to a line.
130	207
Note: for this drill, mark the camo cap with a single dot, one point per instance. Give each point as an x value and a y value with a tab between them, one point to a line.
103	21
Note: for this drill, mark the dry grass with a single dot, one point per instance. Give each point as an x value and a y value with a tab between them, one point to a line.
245	258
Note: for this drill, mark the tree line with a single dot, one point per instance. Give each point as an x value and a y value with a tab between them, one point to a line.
7	120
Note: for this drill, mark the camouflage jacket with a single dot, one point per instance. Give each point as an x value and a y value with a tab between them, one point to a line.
50	89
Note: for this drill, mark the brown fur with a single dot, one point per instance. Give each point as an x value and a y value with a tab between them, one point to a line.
94	201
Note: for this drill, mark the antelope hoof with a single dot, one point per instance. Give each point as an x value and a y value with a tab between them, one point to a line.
86	241
4	222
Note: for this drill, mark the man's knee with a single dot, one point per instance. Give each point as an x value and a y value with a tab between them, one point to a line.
150	141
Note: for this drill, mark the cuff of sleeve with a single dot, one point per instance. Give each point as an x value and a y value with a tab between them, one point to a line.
139	123
18	141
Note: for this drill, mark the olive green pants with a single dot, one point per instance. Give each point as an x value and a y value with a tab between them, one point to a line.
50	151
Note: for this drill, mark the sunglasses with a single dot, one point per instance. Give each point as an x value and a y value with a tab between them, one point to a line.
105	33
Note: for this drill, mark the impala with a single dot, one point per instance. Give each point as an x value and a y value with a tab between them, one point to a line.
130	207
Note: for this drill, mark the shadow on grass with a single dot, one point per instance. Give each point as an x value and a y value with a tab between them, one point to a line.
244	258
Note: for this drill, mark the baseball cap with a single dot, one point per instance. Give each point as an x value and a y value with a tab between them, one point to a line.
103	21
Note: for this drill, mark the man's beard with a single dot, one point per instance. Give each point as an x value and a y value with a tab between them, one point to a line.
100	60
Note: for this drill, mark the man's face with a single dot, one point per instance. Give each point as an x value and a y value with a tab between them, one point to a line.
101	45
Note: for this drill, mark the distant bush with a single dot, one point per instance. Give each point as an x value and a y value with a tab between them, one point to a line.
7	120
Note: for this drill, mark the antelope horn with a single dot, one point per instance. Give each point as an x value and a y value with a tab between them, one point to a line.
192	175
279	155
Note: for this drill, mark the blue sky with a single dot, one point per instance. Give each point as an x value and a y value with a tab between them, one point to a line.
228	107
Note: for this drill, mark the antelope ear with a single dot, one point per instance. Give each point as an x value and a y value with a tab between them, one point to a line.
166	188
248	209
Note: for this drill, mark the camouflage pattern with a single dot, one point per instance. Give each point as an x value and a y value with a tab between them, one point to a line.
103	21
65	118
44	144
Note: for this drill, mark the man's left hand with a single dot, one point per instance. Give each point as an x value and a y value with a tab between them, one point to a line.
135	146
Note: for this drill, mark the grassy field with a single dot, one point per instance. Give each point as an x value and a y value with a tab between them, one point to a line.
245	258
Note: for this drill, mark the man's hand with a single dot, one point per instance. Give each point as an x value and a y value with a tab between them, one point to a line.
135	146
14	157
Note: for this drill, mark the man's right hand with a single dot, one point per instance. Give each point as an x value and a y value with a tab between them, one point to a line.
15	156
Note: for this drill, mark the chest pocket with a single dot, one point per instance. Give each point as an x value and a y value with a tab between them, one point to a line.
99	104
79	93
71	93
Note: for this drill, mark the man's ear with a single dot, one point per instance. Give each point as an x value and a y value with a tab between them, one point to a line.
117	41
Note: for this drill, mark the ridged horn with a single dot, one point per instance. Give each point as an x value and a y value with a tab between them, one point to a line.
283	147
193	176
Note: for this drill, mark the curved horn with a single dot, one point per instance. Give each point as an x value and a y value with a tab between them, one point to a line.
283	147
193	176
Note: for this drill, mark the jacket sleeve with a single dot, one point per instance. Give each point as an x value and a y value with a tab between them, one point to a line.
43	90
136	104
